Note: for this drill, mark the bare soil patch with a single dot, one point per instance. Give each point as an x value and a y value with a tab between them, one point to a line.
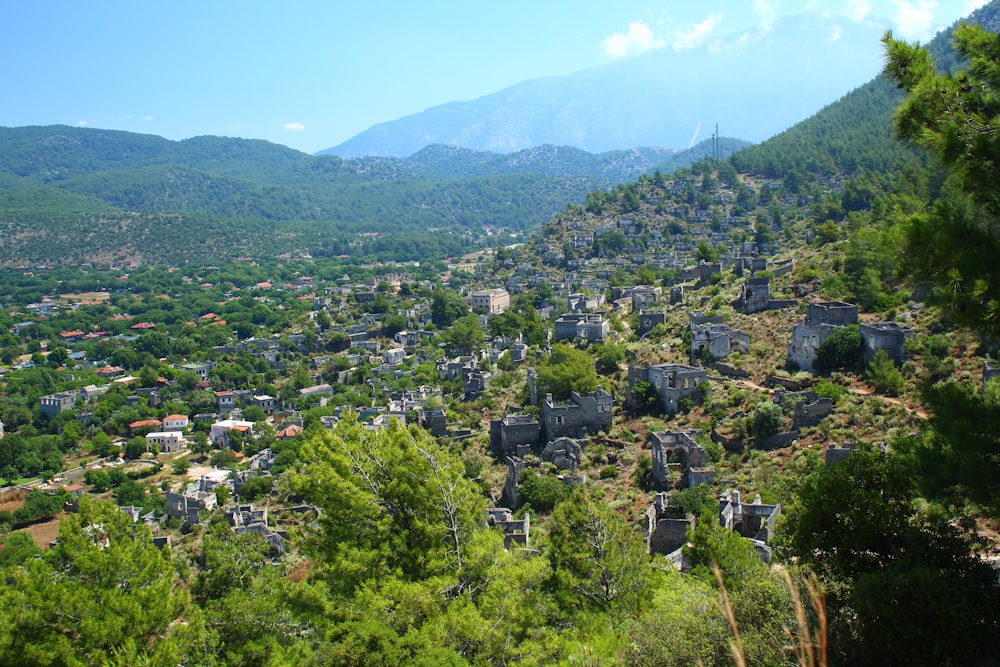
85	296
12	499
45	532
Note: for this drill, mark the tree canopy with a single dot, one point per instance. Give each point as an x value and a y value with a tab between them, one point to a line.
566	370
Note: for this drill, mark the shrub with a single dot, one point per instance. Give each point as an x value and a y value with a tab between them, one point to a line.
542	493
884	375
841	349
828	389
767	420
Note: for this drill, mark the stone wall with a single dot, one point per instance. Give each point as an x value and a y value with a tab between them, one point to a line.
887	336
810	414
836	313
577	417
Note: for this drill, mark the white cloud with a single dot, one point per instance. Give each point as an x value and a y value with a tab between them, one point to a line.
764	9
639	39
81	123
294	127
147	118
915	20
858	9
973	5
836	33
696	33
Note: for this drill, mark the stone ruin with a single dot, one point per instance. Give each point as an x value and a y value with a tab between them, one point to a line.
754	521
717	341
515	531
887	336
666	534
673	382
822	319
833	454
649	319
689	458
755	297
564	453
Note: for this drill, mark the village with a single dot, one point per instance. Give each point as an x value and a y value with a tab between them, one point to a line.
418	349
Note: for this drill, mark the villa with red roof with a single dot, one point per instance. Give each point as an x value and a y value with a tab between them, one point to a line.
175	422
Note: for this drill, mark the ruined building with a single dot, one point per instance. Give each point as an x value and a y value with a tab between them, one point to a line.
577	417
754	521
665	533
680	450
673	382
821	320
887	336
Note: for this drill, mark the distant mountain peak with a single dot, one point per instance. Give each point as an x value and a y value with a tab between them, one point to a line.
754	84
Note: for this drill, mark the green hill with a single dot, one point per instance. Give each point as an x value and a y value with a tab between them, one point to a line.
60	185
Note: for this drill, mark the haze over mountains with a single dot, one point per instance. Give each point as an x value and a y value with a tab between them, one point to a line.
753	84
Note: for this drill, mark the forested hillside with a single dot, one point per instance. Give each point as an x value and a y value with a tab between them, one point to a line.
72	193
853	135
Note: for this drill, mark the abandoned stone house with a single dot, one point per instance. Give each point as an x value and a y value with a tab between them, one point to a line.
580	302
666	534
717	341
188	504
673	382
836	313
459	367
475	384
434	420
649	319
248	519
493	301
514	434
679	450
589	327
516	467
644	297
754	295
578	416
754	521
394	356
811	412
702	273
805	342
822	319
834	454
748	264
53	404
887	336
515	531
241	477
564	453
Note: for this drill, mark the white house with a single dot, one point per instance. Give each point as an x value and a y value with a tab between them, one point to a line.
167	442
175	422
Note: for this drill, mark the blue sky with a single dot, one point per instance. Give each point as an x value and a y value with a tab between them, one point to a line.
311	74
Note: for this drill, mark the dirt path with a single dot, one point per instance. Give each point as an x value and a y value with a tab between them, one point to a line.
864	391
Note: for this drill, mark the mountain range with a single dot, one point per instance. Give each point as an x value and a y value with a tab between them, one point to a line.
752	84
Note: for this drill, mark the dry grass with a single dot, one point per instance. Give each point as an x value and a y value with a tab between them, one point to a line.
810	647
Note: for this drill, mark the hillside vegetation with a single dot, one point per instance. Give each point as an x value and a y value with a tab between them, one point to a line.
73	194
